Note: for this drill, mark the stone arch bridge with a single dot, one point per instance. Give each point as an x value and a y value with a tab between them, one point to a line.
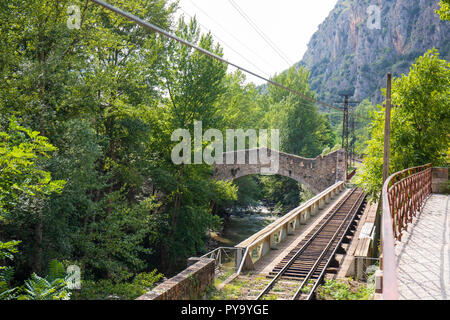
317	174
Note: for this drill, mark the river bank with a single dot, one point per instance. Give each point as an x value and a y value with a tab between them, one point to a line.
241	223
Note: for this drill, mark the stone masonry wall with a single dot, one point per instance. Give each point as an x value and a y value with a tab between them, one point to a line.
439	180
317	174
187	285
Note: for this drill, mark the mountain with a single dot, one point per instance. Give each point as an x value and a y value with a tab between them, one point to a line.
352	53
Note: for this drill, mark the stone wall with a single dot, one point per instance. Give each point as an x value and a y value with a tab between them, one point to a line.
439	180
187	285
317	174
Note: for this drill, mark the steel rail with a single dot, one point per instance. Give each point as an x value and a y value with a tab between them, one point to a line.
302	249
289	215
357	204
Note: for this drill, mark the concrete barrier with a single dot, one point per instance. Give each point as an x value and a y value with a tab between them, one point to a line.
268	238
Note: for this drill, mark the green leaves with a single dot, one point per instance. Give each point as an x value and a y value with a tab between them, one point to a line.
20	151
444	10
38	288
303	130
7	251
110	290
345	290
192	80
53	287
419	127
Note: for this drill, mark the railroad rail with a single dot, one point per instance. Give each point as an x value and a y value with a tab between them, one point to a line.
304	267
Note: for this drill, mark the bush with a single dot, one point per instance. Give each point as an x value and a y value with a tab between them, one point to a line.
345	290
108	290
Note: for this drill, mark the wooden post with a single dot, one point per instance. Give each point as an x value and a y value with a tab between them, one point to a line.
387	128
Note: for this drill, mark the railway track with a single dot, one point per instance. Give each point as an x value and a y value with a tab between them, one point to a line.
303	268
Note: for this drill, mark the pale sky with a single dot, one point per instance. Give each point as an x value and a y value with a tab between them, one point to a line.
289	24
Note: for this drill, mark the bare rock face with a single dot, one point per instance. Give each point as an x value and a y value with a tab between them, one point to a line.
353	50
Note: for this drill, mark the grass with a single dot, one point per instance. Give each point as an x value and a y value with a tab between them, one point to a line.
307	289
223	276
232	291
238	289
345	290
270	297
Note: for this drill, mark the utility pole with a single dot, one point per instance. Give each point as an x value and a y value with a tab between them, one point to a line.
352	144
345	124
345	129
387	128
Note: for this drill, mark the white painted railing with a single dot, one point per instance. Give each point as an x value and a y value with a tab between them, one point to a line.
259	244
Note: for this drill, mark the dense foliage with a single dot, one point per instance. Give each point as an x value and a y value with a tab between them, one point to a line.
86	118
444	10
86	121
419	126
23	186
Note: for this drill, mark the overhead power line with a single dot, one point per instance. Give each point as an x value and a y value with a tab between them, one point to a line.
157	29
261	33
228	46
231	35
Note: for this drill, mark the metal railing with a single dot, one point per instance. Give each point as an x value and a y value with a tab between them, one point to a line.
223	256
259	244
351	174
403	195
231	261
227	261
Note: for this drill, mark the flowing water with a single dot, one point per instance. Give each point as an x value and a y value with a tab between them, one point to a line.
243	223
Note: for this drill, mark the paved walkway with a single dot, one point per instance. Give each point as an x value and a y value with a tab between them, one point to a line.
423	255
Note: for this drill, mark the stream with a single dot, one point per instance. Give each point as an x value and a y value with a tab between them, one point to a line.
242	223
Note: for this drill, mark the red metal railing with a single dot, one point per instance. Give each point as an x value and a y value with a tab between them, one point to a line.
351	174
403	195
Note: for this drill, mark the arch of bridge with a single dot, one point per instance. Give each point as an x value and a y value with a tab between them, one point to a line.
317	174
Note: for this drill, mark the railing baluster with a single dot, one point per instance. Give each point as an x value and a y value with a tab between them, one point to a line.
403	195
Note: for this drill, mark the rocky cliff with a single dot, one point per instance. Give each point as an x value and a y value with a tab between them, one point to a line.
353	50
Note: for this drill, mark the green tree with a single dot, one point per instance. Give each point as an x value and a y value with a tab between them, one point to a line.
22	183
418	127
363	114
303	130
20	174
91	91
241	106
193	83
444	10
